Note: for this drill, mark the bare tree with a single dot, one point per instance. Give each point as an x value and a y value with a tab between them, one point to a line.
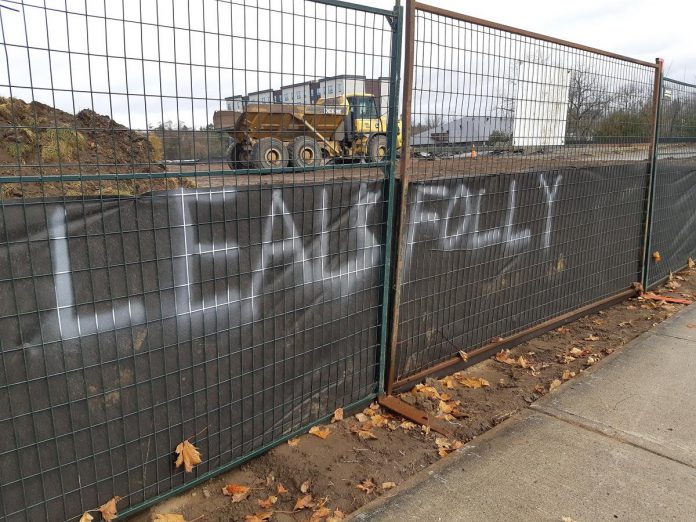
588	103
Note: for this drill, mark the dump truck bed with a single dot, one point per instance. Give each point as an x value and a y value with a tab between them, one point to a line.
282	121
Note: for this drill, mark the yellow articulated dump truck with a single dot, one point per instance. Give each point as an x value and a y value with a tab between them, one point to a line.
277	135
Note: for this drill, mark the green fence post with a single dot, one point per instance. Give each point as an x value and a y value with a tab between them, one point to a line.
390	172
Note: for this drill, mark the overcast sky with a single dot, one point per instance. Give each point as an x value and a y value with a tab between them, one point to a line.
159	60
644	29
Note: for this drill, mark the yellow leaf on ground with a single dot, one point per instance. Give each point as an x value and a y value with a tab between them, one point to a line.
294	442
367	486
236	491
444	407
303	503
474	382
554	384
449	382
259	517
86	517
567	374
388	485
692	263
592	337
320	514
429	391
338	415
108	510
463	355
366	434
337	516
504	356
304	487
188	455
268	502
320	431
281	489
168	517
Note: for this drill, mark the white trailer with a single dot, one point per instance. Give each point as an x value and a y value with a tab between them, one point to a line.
265	96
341	85
236	103
541	106
298	94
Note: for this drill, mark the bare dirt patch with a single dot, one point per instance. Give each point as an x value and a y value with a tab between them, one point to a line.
364	454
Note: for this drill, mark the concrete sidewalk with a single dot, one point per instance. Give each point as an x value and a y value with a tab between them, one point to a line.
617	443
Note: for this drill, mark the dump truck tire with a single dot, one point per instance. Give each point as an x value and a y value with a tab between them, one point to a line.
270	153
377	148
305	152
236	157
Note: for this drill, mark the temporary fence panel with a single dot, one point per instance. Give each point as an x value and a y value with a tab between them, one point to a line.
672	232
171	270
526	186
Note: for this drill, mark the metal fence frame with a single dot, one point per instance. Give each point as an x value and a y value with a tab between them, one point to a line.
395	383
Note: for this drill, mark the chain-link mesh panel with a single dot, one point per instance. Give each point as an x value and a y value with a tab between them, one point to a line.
529	177
193	236
672	236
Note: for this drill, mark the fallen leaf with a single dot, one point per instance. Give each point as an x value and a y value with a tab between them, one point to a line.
567	374
429	391
108	510
268	502
591	360
294	442
304	487
576	352
259	517
563	330
86	517
281	489
320	514
337	516
188	455
320	431
168	517
236	491
444	407
539	389
303	503
592	337
379	421
338	415
365	434
407	425
656	256
692	263
474	382
463	355
691	325
522	362
449	382
362	417
554	384
504	357
388	485
367	486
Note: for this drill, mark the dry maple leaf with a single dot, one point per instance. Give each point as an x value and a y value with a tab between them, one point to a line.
444	407
281	489
320	514
86	517
303	503
259	517
567	374
188	455
108	510
379	421
294	442
388	485
504	357
304	487
367	486
320	431
365	434
337	516
268	502
338	415
554	384
692	263
236	491
361	417
474	382
407	425
449	382
576	352
168	517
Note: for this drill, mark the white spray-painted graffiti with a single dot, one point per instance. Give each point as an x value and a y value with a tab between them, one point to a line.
339	253
462	231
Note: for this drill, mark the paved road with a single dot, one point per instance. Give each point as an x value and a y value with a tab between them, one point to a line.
618	443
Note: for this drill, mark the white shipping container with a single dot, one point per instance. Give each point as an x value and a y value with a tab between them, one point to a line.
235	103
341	85
261	97
541	106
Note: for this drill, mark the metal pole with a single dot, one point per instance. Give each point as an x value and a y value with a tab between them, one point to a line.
390	171
652	162
403	200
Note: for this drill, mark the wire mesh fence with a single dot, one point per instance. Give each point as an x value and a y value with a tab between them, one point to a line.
193	236
672	238
526	190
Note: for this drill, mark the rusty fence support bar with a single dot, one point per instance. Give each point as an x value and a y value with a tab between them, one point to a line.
652	165
477	355
403	200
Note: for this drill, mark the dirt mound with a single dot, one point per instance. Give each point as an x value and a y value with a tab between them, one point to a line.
36	139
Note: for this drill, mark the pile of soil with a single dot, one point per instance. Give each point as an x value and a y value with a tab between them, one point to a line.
37	139
370	452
